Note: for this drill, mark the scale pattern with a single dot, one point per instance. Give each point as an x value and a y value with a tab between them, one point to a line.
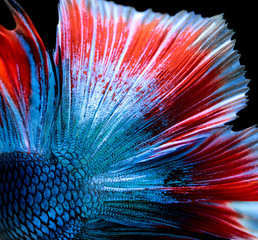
38	200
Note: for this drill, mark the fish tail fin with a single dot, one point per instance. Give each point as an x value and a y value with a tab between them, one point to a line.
193	220
192	186
146	97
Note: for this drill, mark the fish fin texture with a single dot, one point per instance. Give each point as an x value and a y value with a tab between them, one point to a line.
145	100
133	80
28	87
192	187
142	108
108	230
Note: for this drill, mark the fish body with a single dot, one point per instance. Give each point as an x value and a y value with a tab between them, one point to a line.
38	199
120	132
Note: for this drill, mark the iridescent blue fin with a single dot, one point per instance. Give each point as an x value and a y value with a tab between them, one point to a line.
187	186
107	230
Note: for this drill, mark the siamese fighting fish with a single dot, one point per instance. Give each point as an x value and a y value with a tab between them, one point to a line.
121	130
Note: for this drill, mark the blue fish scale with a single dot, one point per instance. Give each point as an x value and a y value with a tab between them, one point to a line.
40	199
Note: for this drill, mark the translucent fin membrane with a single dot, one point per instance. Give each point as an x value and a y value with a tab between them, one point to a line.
28	87
249	212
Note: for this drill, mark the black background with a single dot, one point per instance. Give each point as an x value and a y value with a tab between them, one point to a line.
241	16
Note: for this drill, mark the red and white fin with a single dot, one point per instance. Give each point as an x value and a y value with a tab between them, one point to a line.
135	80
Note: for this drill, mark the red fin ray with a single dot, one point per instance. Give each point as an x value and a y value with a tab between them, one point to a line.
142	79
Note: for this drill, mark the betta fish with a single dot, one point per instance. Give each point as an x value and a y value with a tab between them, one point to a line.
121	131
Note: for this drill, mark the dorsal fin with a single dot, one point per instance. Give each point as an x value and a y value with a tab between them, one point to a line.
28	87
